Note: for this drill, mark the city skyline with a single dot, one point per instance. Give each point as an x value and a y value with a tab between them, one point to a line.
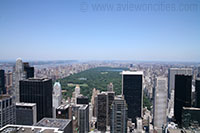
60	30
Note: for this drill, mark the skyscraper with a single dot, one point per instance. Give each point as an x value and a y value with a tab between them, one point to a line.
29	71
38	91
160	103
57	97
102	111
183	90
132	89
119	116
171	85
111	96
197	84
2	82
83	119
18	75
171	77
21	71
7	110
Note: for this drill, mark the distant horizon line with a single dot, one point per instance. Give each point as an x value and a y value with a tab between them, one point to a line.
98	60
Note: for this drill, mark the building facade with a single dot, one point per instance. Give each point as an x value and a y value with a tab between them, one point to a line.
38	91
160	102
57	97
83	119
7	110
119	116
132	89
102	111
2	82
183	90
26	113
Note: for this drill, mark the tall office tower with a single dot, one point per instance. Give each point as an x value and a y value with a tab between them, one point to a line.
183	90
9	78
102	110
28	70
38	91
63	111
111	96
26	113
7	110
75	94
57	97
197	89
119	116
82	99
83	119
171	78
132	89
160	103
171	85
2	82
94	102
198	72
19	75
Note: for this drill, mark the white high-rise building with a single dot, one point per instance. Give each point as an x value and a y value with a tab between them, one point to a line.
160	103
76	93
171	86
18	75
57	97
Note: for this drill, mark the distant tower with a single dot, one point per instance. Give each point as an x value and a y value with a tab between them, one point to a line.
76	93
197	89
102	111
83	119
2	82
132	89
29	71
94	102
57	97
183	90
160	103
111	96
19	75
119	116
110	87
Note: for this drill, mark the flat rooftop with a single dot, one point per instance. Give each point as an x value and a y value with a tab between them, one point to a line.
51	122
37	79
84	107
132	72
26	104
63	106
28	129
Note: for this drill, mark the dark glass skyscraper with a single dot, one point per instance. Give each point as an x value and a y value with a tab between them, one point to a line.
38	91
197	84
29	70
2	82
183	90
133	93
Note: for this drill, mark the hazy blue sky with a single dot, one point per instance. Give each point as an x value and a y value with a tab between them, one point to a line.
168	30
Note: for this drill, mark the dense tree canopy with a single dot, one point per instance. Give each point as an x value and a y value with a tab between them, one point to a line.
97	78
